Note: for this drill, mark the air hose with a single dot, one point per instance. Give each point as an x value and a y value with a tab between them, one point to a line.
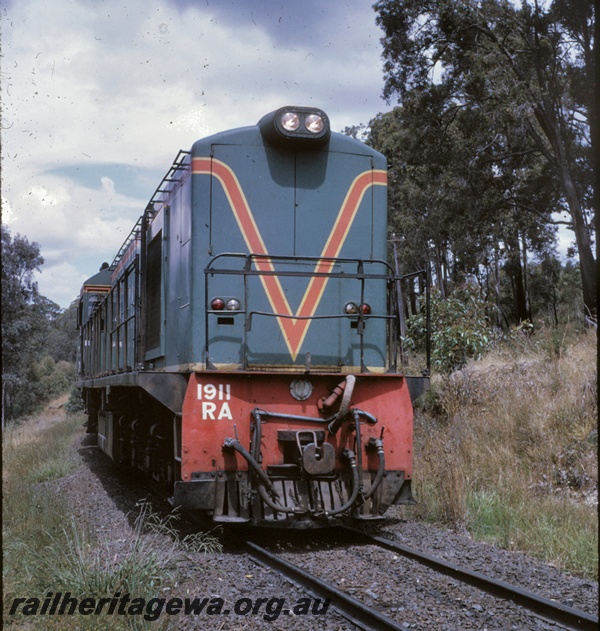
344	405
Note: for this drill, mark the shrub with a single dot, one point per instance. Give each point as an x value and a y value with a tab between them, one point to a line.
460	329
507	447
43	380
75	403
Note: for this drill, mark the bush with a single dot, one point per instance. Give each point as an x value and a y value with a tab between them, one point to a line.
43	381
75	403
460	327
507	447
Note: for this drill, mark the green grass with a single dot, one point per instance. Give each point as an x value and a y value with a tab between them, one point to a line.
47	550
551	528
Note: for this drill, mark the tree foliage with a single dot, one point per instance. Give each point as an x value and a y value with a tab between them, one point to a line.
461	328
38	338
21	328
494	128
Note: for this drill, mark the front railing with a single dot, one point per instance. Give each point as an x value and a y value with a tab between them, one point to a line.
360	270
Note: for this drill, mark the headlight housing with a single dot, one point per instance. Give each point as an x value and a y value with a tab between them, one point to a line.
304	127
232	305
314	123
352	308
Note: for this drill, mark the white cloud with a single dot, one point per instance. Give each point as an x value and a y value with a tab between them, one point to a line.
66	219
44	197
57	282
8	215
91	84
108	186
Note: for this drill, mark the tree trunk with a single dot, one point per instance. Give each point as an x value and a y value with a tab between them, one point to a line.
527	300
439	272
494	273
559	158
587	263
515	269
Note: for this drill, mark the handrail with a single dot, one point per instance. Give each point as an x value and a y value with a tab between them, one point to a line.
180	163
133	235
245	270
297	259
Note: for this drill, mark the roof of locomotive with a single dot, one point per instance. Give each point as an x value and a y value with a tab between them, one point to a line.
99	279
253	136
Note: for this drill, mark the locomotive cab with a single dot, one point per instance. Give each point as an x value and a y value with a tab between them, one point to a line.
92	292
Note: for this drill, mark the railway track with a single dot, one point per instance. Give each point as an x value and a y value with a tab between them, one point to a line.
368	618
350	608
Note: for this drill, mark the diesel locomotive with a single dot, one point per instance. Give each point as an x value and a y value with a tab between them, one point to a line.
242	348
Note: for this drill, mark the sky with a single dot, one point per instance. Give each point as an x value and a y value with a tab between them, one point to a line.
98	96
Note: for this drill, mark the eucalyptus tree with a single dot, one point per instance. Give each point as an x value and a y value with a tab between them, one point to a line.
452	196
27	318
527	71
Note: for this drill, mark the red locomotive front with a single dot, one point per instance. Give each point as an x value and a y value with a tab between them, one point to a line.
279	449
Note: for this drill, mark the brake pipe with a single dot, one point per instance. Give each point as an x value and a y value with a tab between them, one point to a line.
358	444
377	443
338	419
278	508
349	454
233	443
370	418
257	413
256	437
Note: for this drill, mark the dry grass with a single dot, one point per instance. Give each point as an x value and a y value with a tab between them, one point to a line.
46	550
507	448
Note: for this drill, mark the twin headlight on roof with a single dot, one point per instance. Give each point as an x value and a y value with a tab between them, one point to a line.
291	122
304	127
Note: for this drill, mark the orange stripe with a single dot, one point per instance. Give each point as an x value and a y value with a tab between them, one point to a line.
250	232
294	331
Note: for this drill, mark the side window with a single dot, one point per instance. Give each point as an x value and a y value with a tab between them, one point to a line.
131	292
92	300
153	292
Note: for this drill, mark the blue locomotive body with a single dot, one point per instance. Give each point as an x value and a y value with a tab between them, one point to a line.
261	255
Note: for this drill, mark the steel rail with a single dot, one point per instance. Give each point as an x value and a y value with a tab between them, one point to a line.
546	608
349	607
